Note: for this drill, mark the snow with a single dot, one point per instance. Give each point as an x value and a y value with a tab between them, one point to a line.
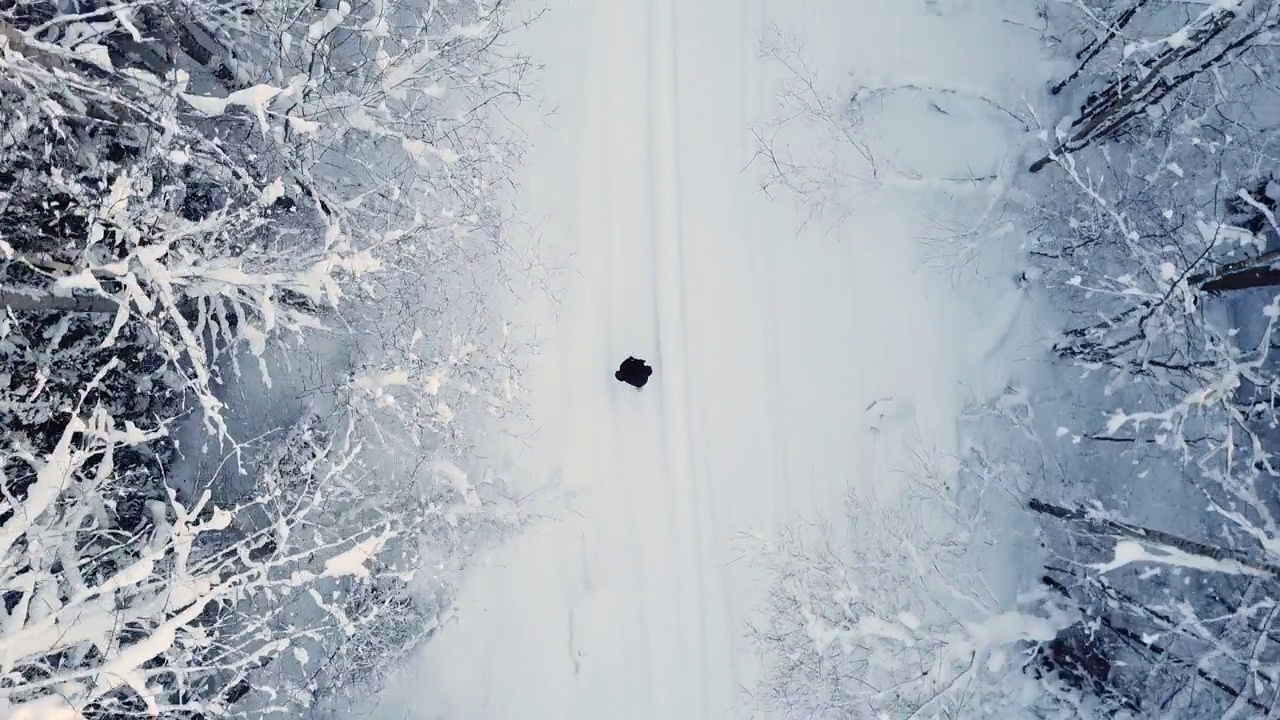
353	561
273	191
66	285
331	21
255	98
303	125
1128	552
770	344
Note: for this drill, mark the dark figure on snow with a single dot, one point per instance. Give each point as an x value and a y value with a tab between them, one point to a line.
633	371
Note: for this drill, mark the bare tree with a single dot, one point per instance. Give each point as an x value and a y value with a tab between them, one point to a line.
892	619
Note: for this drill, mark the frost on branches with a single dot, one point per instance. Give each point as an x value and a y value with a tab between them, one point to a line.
201	194
173	616
1155	225
1139	57
1152	213
891	618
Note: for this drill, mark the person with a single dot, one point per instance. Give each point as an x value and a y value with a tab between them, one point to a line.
634	372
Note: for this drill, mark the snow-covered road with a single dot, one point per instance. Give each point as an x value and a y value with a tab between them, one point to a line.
768	345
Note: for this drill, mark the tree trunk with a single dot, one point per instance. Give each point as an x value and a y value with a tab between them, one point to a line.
31	300
1260	271
1116	529
1268	276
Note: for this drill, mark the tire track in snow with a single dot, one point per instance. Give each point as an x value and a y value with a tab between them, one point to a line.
612	177
685	461
708	603
668	309
620	101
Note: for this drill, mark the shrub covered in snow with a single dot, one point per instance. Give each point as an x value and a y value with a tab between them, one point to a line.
891	618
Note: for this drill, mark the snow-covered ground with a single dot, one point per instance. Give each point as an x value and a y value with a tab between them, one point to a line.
770	344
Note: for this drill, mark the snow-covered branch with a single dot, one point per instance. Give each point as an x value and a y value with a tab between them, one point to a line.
188	185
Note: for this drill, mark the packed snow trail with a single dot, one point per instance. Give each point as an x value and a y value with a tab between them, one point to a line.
768	349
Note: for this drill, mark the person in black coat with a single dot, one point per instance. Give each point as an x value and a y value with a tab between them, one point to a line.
634	372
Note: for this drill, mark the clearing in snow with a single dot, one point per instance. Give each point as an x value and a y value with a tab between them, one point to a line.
794	364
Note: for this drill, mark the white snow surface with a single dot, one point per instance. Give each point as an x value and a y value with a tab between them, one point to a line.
769	342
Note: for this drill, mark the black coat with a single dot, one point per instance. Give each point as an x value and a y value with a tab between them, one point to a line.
634	372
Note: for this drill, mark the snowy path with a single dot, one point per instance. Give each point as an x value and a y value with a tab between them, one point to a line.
768	347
